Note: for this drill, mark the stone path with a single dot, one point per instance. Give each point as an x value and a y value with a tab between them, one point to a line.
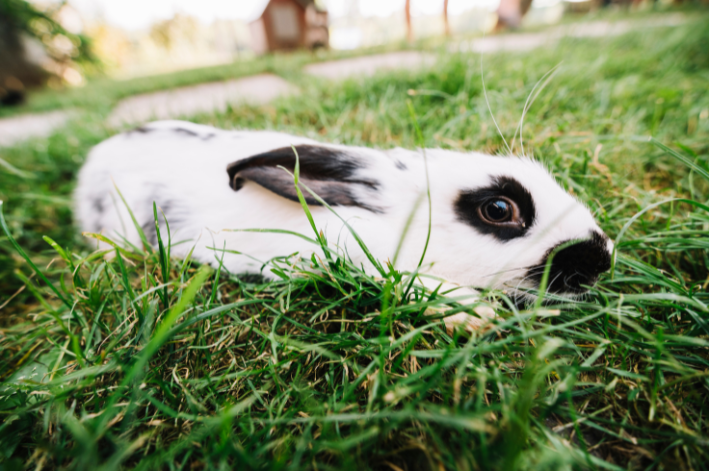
17	129
204	98
592	29
368	65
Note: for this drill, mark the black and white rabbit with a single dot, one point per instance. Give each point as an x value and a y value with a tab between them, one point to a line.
495	220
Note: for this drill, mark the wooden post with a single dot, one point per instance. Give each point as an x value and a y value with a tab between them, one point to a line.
446	25
510	12
409	30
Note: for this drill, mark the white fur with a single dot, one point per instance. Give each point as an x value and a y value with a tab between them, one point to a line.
188	174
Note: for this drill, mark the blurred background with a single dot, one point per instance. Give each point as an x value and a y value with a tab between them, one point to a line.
65	43
61	58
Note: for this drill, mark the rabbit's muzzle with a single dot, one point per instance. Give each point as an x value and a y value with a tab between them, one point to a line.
575	266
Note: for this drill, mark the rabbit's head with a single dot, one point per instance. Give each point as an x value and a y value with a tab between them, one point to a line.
496	221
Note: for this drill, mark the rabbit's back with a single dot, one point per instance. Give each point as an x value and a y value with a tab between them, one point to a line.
181	167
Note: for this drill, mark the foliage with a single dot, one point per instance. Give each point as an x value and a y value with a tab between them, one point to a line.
63	47
152	363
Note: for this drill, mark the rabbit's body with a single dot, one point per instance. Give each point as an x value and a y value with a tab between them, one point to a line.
183	168
191	186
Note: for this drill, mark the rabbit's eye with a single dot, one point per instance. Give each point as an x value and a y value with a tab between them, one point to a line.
504	209
499	211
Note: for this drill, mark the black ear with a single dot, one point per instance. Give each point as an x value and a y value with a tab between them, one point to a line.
330	173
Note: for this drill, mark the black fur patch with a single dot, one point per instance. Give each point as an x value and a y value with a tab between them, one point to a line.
97	204
328	172
151	234
172	215
401	165
189	132
576	265
186	132
470	201
141	130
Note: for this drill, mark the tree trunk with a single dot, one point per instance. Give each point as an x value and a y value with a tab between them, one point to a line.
510	12
16	72
409	30
446	25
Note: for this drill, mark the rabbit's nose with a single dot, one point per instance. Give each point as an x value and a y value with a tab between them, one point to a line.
576	265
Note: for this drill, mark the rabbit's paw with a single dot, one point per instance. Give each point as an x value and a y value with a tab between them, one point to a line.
469	322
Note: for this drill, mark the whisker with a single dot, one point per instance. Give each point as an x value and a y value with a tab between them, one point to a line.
528	268
492	115
528	104
550	283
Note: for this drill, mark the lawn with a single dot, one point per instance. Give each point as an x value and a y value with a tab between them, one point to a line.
147	362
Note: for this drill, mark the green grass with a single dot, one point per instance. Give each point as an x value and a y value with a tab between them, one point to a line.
150	363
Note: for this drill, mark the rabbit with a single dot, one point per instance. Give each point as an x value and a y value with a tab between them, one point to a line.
494	220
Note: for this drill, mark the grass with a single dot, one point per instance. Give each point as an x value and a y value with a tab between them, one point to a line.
145	362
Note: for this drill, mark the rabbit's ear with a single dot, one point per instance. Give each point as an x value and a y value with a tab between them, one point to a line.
332	174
